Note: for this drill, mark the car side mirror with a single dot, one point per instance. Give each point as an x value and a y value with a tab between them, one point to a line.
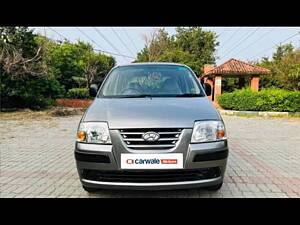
93	90
207	89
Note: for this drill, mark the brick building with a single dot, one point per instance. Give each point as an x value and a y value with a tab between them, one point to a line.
231	68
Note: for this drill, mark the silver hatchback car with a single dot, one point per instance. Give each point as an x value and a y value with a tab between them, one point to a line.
151	127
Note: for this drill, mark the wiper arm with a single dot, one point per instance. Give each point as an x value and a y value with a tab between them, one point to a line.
136	96
189	95
150	96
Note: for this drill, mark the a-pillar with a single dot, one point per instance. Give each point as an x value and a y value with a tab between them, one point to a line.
254	83
218	87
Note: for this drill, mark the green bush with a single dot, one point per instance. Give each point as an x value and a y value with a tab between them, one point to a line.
78	93
34	92
276	100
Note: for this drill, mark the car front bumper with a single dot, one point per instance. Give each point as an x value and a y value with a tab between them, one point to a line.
106	159
151	186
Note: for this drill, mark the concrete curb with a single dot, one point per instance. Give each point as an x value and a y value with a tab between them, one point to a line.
256	113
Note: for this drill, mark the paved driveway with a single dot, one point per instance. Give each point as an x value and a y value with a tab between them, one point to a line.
36	160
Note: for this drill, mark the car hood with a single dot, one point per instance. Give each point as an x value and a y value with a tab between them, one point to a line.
151	112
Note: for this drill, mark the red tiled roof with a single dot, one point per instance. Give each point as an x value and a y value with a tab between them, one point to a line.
236	67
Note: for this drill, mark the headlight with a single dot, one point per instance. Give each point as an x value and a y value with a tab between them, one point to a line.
206	131
93	132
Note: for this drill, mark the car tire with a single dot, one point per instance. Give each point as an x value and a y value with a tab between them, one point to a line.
215	187
90	190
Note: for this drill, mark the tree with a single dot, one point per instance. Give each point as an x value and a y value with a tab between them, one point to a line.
157	42
288	70
97	66
199	43
281	51
34	70
19	38
179	56
143	55
20	52
68	60
25	81
191	46
285	68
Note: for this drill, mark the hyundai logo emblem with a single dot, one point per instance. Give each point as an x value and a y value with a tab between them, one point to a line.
151	136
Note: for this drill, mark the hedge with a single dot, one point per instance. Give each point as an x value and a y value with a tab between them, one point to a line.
78	93
275	100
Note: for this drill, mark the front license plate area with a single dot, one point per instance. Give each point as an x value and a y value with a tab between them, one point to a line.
152	161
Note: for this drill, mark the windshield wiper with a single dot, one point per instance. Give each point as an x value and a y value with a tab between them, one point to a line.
136	96
153	96
189	95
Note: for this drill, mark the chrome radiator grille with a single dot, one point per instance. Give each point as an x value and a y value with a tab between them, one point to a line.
168	138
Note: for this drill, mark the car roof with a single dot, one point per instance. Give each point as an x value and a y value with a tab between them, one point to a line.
152	63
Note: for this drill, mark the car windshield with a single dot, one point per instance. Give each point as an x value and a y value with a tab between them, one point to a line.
151	81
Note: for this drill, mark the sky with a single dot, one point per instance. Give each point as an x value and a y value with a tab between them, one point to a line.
243	43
